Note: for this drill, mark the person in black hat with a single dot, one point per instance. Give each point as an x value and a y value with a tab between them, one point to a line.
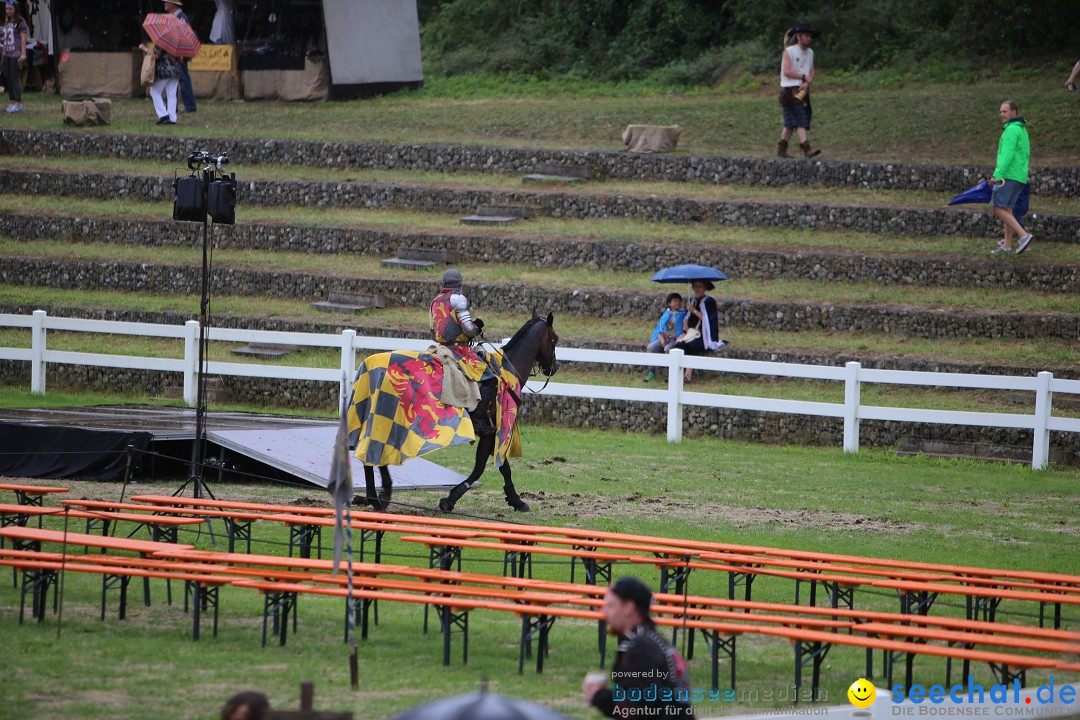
649	677
796	76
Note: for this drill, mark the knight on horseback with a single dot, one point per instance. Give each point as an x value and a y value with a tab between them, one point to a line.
453	326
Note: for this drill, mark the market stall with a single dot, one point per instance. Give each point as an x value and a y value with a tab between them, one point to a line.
251	49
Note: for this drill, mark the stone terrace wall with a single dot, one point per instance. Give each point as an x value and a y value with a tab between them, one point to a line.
566	252
576	412
579	205
519	161
523	300
800	357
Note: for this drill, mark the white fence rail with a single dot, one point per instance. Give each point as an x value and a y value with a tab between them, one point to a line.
675	396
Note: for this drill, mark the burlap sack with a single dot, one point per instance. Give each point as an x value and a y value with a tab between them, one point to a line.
87	112
651	138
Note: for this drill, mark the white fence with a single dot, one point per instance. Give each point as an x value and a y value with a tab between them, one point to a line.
675	396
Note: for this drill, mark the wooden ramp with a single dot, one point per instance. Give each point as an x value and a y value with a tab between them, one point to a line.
300	446
306	452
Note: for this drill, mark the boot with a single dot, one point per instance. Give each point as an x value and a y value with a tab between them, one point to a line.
480	415
809	151
514	500
447	503
781	149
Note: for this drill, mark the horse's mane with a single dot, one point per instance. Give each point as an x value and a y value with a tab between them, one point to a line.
520	334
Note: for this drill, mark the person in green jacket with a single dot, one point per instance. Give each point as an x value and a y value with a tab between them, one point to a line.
1010	176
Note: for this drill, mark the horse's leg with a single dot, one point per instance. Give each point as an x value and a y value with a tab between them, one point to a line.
484	447
387	487
512	498
369	483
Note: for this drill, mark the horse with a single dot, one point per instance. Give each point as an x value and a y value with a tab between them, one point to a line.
533	344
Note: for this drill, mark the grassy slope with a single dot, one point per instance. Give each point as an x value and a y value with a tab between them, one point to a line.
971	298
871	504
614	230
917	122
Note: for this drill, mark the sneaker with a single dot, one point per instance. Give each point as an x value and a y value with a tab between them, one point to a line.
10	108
1024	242
1001	249
15	108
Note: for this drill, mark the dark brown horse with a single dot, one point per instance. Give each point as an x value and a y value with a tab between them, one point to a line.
533	344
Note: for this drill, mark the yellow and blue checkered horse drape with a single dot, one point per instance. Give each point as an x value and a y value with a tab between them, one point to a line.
395	414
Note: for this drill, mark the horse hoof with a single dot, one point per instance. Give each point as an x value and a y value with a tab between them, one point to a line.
446	505
376	504
520	505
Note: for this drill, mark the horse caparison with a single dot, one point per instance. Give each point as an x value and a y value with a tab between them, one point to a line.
533	344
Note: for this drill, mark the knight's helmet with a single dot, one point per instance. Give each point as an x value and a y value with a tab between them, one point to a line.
452	279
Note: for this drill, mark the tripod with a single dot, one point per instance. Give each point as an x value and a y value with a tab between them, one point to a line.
211	195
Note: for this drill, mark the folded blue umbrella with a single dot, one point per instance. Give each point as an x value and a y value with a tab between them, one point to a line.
687	273
983	192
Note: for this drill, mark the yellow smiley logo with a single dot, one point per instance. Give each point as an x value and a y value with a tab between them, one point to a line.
862	693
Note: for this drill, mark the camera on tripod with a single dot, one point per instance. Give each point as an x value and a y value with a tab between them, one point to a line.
209	190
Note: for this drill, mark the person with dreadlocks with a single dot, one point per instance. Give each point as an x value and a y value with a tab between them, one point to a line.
649	677
453	326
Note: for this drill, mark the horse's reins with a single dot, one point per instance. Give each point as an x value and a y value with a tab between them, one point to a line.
497	371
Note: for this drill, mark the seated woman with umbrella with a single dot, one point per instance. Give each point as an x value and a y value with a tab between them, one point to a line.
701	332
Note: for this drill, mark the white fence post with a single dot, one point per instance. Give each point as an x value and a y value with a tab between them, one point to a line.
675	388
1040	451
37	348
852	396
191	361
348	363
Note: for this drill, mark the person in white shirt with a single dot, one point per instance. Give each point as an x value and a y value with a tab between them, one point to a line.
796	75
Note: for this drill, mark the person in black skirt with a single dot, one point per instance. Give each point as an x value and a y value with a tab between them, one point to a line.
702	327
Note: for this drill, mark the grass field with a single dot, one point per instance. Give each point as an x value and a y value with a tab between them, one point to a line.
872	504
876	503
955	123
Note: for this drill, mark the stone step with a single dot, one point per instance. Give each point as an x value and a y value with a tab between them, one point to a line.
431	255
343	302
405	264
973	450
582	172
489	220
265	350
543	179
215	391
519	211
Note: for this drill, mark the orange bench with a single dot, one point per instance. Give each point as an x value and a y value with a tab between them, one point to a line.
201	588
31	494
237	523
32	538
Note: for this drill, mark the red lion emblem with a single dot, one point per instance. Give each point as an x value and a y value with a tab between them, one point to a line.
417	384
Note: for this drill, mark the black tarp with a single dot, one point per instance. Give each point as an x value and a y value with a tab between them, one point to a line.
45	451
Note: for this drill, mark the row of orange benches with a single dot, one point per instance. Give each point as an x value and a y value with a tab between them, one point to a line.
539	603
916	584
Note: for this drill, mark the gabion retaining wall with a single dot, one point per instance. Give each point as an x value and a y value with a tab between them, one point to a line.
577	412
1061	180
523	300
593	205
564	252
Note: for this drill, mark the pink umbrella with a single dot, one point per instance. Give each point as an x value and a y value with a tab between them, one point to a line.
172	35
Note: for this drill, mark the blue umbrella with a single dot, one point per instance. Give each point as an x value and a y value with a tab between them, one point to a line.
687	273
983	192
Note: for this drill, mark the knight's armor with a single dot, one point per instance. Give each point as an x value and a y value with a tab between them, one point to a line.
452	324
